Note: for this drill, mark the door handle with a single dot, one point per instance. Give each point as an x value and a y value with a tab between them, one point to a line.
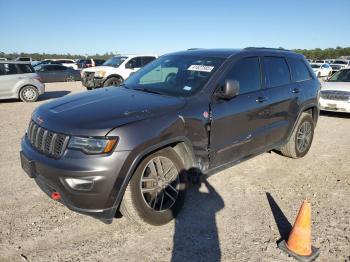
295	90
261	99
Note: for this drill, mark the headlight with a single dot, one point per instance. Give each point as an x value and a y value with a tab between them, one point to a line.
92	145
100	73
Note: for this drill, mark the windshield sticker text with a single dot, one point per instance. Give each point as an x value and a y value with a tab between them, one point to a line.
201	68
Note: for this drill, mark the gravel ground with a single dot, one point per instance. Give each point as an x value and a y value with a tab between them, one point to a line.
237	215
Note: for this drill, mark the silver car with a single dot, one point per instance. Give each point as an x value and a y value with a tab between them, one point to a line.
19	80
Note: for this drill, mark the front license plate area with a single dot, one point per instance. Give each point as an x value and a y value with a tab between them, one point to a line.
28	166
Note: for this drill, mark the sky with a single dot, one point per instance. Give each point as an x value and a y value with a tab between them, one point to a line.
161	26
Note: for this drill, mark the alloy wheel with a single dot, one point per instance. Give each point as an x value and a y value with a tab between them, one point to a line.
159	184
304	136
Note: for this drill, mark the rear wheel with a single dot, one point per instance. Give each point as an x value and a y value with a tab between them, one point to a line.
70	79
301	139
113	81
28	94
157	190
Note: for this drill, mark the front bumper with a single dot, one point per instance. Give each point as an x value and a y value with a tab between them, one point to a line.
334	105
92	82
105	172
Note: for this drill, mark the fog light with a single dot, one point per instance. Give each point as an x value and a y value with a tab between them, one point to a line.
80	184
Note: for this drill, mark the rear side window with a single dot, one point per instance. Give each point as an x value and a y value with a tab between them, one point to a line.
277	71
12	69
25	69
299	70
247	73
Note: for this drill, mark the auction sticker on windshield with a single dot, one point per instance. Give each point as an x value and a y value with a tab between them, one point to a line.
201	68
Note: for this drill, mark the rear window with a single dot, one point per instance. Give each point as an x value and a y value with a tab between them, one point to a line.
12	69
277	71
299	70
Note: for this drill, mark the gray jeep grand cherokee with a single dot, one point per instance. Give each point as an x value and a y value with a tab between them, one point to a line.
132	148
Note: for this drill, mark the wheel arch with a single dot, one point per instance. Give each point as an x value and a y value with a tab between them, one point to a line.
113	75
311	109
181	145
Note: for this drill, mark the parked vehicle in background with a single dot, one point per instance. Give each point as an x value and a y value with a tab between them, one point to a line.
339	64
57	73
86	63
189	113
322	70
45	62
114	71
24	59
3	59
67	63
19	80
335	92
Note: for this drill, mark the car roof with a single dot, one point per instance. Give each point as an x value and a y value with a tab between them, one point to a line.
228	52
135	55
15	62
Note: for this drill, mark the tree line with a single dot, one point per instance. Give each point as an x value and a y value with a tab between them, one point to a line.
319	53
316	53
41	56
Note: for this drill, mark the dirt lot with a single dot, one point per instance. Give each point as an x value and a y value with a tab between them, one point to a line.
237	216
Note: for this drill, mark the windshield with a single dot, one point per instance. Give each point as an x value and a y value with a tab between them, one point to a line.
174	75
340	62
341	76
115	61
315	66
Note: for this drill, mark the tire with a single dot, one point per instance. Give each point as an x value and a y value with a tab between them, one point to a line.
113	81
146	200
28	94
89	88
303	133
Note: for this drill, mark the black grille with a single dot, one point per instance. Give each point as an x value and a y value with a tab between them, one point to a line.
335	95
46	142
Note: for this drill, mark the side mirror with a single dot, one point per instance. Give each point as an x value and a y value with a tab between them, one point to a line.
129	66
229	90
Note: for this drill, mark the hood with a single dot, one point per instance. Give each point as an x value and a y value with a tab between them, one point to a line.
336	86
95	113
97	68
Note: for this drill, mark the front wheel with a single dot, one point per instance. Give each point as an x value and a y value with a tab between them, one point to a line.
300	141
157	190
113	81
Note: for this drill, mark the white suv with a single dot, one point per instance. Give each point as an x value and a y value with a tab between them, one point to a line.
114	71
19	80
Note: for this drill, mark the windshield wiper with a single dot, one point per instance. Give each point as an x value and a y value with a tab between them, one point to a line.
148	91
123	85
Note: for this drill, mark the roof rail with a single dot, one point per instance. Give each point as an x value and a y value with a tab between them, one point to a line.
266	48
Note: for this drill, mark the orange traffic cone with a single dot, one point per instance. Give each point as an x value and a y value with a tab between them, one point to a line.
299	241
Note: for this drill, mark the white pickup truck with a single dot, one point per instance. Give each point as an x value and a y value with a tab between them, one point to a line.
114	71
